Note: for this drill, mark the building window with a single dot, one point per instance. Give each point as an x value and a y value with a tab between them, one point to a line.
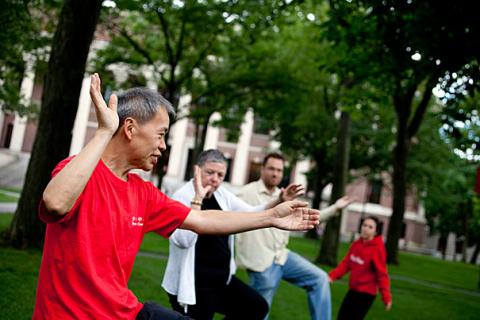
376	186
189	169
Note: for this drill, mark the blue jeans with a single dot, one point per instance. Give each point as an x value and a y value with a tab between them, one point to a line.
301	273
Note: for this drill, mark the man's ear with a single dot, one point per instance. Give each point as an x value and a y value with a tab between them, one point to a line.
129	127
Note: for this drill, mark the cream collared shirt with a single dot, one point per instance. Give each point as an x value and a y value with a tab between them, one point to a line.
257	250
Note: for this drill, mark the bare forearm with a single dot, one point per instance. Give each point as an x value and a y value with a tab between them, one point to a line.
328	212
63	190
217	222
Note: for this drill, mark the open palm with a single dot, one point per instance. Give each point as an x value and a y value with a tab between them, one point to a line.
107	117
295	216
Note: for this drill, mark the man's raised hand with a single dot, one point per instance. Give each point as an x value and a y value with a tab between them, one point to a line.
107	117
292	192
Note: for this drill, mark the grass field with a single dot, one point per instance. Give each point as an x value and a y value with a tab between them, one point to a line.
422	287
7	197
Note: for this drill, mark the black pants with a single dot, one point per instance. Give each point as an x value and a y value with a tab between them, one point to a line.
355	305
154	311
235	300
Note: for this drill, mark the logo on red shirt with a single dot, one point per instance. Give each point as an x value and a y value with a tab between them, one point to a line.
357	259
137	221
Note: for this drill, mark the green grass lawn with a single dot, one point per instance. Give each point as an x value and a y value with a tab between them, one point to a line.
7	197
447	291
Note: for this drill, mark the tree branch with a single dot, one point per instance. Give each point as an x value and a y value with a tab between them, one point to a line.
421	108
136	46
168	46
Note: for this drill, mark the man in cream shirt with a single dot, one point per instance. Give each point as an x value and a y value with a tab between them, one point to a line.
264	252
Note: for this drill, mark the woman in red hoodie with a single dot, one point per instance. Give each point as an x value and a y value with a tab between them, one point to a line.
366	261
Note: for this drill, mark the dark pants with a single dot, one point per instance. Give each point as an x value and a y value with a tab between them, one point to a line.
355	305
235	300
154	311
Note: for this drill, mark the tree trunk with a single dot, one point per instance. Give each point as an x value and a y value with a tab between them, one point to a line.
63	82
329	249
474	257
400	154
320	183
442	245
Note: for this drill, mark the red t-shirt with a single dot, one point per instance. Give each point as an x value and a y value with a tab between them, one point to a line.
89	253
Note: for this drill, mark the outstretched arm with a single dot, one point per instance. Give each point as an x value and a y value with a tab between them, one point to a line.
64	189
291	215
335	208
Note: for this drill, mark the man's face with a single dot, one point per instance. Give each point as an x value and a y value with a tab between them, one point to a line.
213	174
148	140
272	172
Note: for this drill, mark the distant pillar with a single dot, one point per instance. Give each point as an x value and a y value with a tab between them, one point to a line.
26	89
81	119
301	168
241	155
178	136
211	139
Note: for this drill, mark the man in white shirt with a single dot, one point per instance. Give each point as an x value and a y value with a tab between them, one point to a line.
264	252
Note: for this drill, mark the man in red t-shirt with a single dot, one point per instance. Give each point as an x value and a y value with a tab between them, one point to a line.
97	214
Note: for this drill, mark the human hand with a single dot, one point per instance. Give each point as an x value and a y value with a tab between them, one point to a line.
292	192
200	191
388	306
344	201
107	117
295	216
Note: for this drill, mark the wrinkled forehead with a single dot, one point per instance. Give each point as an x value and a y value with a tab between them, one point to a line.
215	165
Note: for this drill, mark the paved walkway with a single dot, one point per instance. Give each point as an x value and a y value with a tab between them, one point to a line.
7	207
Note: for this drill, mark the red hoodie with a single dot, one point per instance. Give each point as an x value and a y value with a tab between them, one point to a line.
366	261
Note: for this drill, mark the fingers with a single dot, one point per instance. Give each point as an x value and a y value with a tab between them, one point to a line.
298	204
95	92
113	102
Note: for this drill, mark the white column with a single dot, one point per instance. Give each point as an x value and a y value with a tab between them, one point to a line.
301	168
2	117
241	156
81	119
211	138
178	135
26	90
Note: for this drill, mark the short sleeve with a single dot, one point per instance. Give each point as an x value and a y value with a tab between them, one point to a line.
42	209
165	215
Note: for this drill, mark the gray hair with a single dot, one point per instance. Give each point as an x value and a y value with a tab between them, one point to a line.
141	104
211	155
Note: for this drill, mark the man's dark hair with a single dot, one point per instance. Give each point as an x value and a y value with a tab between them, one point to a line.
211	155
273	155
141	104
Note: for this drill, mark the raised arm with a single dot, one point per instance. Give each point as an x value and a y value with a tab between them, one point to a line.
64	189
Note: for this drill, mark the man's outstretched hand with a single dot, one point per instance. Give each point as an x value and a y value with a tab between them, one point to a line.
295	216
